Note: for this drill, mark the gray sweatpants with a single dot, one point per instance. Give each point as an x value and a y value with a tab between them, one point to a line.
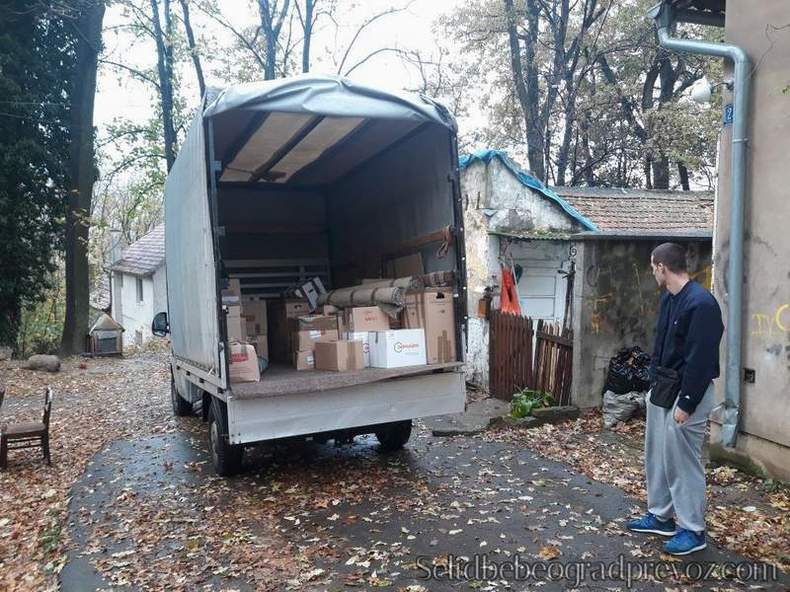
673	463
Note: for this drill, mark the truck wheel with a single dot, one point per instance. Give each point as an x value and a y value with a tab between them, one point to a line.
392	436
181	407
225	457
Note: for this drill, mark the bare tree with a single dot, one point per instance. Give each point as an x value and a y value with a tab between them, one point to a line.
192	46
164	61
272	19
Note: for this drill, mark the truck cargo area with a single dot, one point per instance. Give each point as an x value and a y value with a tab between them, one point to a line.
282	379
344	199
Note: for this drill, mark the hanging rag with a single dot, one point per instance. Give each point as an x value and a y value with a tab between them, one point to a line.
508	299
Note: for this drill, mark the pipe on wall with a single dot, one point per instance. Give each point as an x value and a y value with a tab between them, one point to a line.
665	17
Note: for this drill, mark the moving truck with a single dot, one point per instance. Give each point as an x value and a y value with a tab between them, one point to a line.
282	181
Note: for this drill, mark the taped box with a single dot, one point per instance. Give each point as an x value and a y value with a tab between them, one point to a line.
397	348
236	328
365	318
433	311
304	360
243	363
253	309
340	355
364	337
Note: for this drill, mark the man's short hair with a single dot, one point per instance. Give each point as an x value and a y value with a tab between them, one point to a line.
672	255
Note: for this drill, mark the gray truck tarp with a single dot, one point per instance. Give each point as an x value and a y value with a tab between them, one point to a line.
331	96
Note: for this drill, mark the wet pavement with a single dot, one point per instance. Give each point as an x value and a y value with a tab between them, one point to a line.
385	520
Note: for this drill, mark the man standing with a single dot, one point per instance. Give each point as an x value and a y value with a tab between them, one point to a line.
685	362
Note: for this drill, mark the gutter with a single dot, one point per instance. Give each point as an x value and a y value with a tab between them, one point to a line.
665	18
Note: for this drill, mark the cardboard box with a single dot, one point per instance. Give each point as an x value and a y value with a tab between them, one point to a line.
261	345
327	309
313	323
243	363
304	360
364	337
397	348
365	318
279	312
306	340
253	309
232	294
339	355
236	330
433	311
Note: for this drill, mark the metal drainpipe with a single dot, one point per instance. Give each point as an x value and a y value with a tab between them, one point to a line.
664	18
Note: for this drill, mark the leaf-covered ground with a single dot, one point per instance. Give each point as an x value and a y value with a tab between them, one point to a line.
745	514
131	503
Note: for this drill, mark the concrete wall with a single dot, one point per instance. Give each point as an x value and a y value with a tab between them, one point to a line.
766	311
615	305
495	201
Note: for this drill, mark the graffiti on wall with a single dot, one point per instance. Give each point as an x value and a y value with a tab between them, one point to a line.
771	324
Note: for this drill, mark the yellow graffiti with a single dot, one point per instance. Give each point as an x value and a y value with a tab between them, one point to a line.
704	276
595	319
767	325
778	317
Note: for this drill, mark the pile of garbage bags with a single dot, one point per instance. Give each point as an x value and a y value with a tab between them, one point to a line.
627	383
629	371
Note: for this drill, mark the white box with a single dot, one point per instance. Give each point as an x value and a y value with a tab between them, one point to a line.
364	337
397	348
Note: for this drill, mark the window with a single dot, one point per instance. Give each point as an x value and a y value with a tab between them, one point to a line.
139	289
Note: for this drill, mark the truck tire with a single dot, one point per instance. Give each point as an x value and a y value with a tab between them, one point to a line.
392	436
225	457
181	407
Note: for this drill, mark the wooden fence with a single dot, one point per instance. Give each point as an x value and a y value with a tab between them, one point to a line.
512	366
509	354
554	361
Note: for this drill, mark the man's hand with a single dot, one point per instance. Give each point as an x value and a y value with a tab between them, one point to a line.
680	416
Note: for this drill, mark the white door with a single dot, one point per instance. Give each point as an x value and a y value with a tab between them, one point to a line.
542	288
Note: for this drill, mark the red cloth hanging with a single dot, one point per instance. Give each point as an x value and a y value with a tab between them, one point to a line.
508	300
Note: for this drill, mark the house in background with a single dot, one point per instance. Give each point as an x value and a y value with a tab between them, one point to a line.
139	286
583	256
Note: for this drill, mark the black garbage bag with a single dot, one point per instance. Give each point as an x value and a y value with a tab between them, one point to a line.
629	371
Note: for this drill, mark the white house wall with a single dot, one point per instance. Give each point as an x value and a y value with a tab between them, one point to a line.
136	316
160	290
495	200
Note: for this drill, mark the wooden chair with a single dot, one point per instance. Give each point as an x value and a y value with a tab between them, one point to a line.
27	435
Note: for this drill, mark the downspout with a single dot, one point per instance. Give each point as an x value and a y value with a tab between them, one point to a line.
664	16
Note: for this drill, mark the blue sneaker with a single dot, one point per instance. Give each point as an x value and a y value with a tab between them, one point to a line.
685	542
650	523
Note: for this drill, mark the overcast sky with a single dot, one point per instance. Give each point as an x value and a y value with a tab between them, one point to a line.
120	95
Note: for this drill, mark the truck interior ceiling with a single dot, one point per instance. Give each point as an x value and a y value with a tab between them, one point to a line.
301	195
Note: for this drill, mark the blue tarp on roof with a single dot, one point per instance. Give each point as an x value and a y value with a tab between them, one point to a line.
527	180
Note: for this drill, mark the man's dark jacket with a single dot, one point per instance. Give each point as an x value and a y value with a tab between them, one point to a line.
688	334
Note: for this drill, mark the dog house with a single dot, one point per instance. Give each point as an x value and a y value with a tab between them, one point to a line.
105	338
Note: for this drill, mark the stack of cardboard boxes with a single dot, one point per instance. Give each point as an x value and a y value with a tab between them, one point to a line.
338	340
247	333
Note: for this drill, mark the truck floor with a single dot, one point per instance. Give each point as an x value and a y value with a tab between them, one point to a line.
281	379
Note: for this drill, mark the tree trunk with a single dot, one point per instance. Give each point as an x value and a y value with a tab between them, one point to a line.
164	64
271	23
660	172
308	33
683	173
82	174
647	173
527	87
193	47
